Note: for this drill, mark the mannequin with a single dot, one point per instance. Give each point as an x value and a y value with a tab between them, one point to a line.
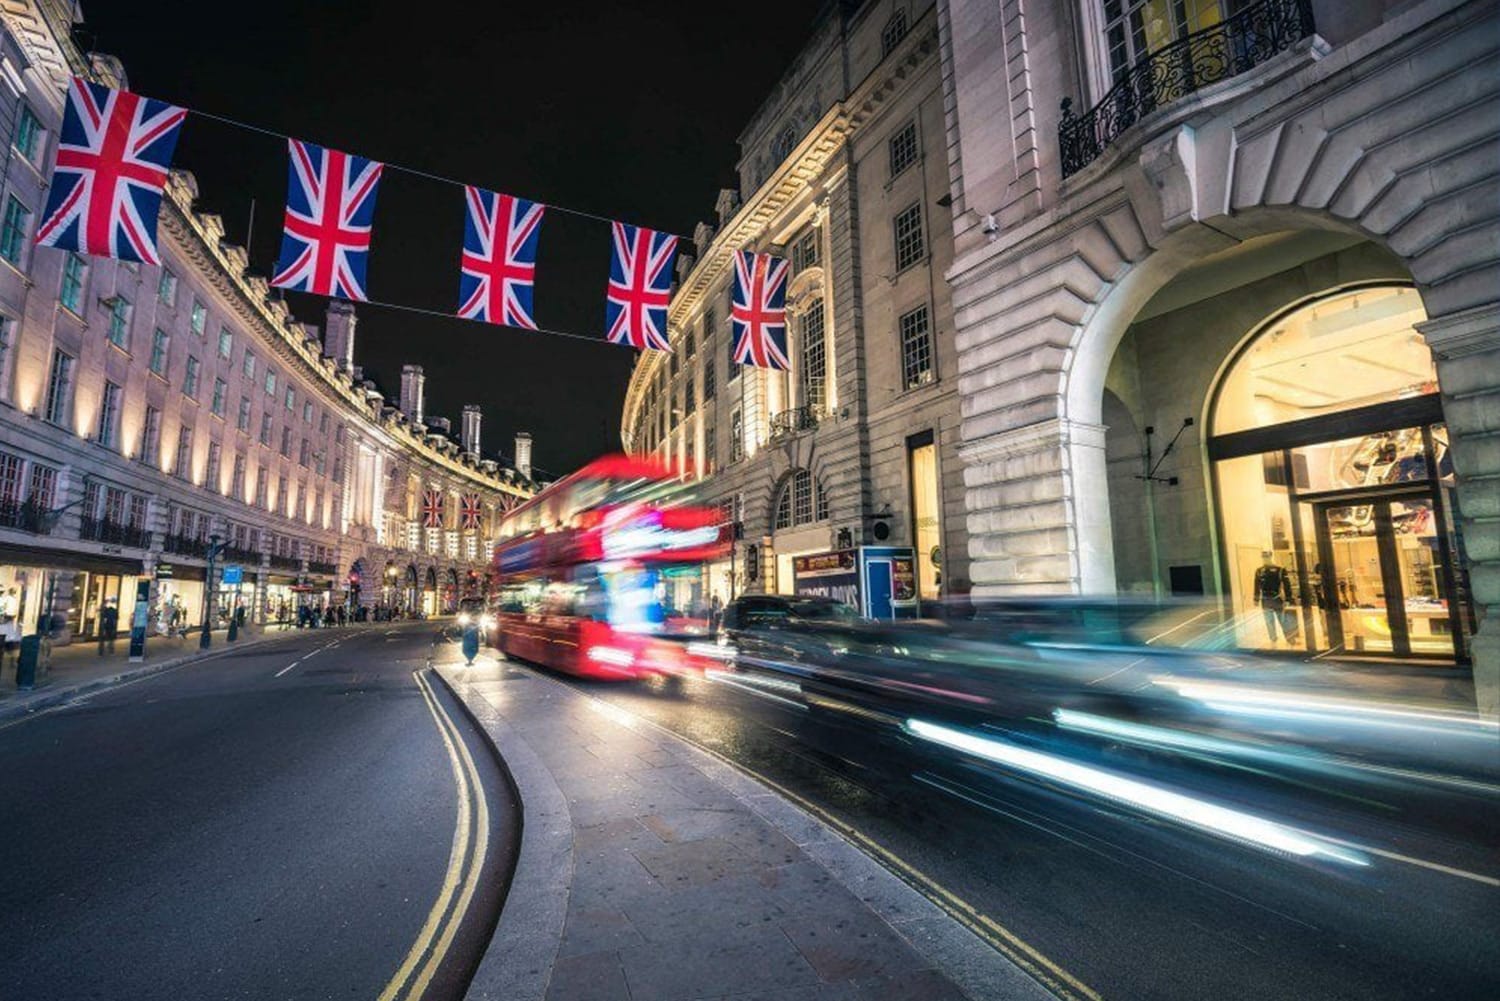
1273	593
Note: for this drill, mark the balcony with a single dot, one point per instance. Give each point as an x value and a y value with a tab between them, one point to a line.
795	421
1216	53
234	554
104	530
318	566
286	562
185	545
26	516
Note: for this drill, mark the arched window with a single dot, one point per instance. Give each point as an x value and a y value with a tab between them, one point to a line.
782	147
801	501
892	33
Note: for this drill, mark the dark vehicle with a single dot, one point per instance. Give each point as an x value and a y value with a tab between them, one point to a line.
760	611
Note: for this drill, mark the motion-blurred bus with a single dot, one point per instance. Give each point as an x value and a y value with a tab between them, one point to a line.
582	568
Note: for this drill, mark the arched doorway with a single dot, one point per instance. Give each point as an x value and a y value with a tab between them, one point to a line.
1335	492
430	592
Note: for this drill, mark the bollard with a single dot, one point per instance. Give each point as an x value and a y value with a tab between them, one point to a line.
31	652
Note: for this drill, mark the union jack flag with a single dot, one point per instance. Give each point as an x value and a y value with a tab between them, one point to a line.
640	286
432	508
112	162
472	511
499	262
325	238
758	313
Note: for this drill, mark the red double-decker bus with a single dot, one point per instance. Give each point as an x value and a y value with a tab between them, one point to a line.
582	564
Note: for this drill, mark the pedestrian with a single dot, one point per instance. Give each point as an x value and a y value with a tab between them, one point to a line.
109	626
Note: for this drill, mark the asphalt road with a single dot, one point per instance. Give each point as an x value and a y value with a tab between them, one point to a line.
278	822
1118	905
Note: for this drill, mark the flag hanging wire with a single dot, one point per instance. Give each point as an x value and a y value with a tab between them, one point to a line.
424	311
236	123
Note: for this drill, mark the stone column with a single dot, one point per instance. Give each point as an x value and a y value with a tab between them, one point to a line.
1466	346
1039	510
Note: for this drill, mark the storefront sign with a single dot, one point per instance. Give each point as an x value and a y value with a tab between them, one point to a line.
904	579
234	574
827	575
163	571
138	620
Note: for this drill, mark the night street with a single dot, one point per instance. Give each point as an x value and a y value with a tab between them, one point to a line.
275	822
1131	908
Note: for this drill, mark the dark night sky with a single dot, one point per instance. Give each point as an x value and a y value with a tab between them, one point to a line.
627	110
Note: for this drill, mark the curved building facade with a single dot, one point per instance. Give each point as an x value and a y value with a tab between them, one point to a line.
148	412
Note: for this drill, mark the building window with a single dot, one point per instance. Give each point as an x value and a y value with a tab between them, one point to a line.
71	292
307	411
910	247
10	479
291	398
166	287
805	251
137	516
904	149
265	428
710	374
323	422
60	388
916	348
892	33
306	453
226	342
13	233
248	366
688	403
270	382
159	352
814	368
710	446
1133	29
794	502
109	415
190	378
151	436
676	363
261	489
732	369
28	134
237	479
119	322
6	324
690	344
736	436
199	319
784	144
42	492
286	442
184	451
211	471
281	496
242	420
221	389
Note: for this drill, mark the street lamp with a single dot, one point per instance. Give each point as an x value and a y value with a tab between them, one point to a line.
214	548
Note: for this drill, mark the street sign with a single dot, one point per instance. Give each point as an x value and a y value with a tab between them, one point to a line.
234	574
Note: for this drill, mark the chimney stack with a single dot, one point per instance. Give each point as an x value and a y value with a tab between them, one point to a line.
472	416
338	334
523	453
412	382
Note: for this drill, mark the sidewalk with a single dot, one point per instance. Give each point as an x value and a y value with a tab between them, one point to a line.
650	870
77	668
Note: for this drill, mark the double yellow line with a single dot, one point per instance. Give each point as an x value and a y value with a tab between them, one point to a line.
471	835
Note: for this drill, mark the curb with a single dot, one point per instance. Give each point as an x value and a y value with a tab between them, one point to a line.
57	696
536	904
531	930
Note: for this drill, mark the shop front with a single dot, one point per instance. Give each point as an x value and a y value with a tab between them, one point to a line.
75	587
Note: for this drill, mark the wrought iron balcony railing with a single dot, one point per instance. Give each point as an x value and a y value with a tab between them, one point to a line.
286	562
185	545
317	566
1224	50
26	516
234	554
794	421
104	530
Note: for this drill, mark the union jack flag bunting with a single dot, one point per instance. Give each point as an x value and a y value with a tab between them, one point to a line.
640	286
112	162
472	511
758	313
499	261
330	205
432	508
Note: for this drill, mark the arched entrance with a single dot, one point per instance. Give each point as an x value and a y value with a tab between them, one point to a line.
1335	492
429	604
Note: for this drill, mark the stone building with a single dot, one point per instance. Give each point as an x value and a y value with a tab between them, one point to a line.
1266	231
842	172
146	411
